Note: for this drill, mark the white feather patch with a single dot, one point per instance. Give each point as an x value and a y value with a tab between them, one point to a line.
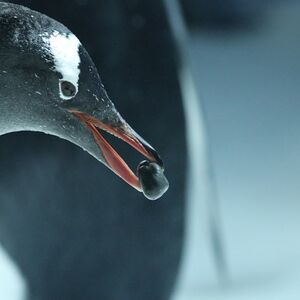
64	48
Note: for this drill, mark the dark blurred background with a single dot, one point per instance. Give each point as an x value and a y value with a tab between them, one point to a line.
244	58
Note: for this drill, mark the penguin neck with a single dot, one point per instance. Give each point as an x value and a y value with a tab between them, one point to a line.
22	101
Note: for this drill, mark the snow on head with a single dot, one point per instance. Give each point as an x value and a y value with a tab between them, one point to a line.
64	48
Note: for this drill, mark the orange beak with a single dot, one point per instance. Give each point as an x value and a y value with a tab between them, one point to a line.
113	159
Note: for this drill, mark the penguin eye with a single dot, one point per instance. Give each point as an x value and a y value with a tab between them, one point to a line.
68	89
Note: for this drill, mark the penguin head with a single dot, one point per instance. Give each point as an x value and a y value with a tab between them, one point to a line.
57	89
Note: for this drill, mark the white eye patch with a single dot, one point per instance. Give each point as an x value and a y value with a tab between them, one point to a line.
64	48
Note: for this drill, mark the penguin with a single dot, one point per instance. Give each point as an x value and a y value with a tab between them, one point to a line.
83	211
58	91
